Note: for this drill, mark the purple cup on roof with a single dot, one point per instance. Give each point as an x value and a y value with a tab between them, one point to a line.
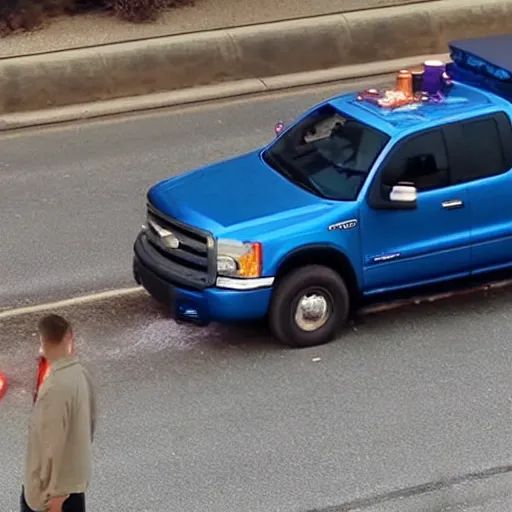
433	76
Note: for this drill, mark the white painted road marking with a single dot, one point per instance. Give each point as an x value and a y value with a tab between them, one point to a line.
74	301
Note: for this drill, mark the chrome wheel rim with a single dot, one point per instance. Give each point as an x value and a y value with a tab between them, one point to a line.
312	310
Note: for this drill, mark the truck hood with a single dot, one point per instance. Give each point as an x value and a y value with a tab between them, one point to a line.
239	191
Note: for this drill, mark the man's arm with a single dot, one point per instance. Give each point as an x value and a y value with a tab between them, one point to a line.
53	424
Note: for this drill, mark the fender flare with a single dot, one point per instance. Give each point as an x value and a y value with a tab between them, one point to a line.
323	254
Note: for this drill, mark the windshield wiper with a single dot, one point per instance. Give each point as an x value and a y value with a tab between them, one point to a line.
306	185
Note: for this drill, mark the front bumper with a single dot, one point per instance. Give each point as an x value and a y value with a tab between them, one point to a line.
213	304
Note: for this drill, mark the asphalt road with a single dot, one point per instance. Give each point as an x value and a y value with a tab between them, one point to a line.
222	420
73	198
193	420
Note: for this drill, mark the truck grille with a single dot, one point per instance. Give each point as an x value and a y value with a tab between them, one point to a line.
193	260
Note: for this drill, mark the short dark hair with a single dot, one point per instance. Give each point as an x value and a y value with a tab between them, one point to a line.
53	328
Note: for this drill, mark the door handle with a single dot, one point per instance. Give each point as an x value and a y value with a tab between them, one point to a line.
452	204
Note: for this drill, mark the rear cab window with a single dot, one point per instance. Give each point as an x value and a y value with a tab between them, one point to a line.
484	149
459	152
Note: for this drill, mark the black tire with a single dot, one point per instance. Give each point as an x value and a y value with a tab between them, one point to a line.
290	290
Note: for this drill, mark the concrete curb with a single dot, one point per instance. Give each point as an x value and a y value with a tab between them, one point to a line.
234	89
173	63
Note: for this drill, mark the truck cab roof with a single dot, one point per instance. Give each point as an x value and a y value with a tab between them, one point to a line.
481	75
463	101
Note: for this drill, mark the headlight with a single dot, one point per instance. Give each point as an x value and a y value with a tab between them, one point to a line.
238	259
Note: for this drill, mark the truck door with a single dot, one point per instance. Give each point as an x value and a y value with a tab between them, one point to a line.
487	143
429	243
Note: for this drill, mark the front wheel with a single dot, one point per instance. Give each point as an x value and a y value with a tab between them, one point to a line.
308	306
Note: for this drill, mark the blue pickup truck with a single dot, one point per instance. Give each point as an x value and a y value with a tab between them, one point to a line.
366	193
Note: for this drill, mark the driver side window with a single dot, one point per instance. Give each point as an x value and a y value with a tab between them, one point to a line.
421	161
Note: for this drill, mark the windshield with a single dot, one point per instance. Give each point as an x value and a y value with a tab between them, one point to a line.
328	153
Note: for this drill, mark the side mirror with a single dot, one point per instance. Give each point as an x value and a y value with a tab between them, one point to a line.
403	194
278	128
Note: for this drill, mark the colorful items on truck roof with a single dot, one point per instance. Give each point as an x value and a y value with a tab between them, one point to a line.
427	85
484	62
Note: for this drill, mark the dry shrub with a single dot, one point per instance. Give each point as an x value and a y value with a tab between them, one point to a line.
56	7
142	10
27	14
19	14
135	10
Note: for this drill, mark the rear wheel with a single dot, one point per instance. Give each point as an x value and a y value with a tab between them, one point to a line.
309	306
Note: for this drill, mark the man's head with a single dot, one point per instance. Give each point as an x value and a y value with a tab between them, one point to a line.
56	336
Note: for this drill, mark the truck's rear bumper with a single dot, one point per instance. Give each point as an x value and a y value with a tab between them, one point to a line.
202	306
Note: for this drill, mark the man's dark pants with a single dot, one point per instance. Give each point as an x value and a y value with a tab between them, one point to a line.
75	503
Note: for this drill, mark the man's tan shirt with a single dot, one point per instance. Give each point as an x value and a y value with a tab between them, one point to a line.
61	432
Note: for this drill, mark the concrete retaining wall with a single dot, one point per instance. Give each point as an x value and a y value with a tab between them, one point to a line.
176	62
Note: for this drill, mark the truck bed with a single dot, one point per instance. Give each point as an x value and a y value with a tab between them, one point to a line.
484	62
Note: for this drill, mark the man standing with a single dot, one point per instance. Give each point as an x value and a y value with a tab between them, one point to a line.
58	460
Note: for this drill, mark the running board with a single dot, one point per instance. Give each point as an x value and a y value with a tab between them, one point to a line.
424	299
